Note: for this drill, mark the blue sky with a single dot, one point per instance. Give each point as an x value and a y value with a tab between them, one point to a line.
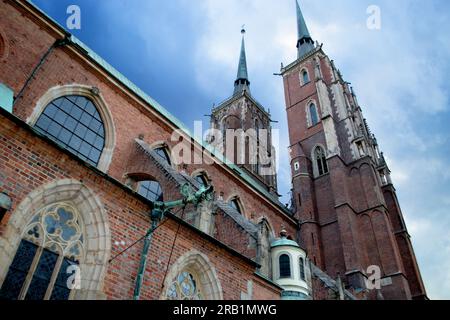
184	54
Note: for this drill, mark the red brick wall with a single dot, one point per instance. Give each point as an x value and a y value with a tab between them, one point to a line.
28	42
27	162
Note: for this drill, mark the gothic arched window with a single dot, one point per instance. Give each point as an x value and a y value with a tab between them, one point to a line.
151	190
235	204
201	179
314	117
163	154
185	286
74	123
48	256
305	77
320	159
302	269
285	266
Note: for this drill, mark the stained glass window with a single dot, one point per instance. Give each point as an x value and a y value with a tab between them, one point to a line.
151	190
184	287
285	266
52	242
75	124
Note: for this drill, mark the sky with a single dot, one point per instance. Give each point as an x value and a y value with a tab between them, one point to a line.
185	53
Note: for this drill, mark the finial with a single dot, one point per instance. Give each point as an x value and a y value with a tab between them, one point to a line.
243	29
283	233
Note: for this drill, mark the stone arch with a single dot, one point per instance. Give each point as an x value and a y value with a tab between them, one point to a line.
231	122
96	97
133	180
200	264
97	232
201	172
235	196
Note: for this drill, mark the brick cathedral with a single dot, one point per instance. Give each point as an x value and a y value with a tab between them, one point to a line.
94	204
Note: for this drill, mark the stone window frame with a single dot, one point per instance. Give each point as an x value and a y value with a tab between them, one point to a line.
308	113
314	162
203	173
301	76
199	264
163	144
133	181
235	197
291	266
96	224
97	99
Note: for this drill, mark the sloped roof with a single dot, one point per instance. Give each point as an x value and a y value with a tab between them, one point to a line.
163	111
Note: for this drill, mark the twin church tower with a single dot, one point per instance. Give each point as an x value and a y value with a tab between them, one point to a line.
351	224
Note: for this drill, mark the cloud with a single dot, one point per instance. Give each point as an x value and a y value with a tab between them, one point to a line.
400	80
185	55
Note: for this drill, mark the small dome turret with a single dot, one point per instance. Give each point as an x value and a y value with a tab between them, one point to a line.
290	268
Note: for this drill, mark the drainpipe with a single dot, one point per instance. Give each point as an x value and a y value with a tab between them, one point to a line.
160	208
58	43
157	215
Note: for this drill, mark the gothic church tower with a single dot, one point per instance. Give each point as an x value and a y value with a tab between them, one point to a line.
242	115
343	194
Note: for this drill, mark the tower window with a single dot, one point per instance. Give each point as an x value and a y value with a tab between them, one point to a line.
360	149
285	266
304	77
302	269
151	190
75	124
313	115
320	161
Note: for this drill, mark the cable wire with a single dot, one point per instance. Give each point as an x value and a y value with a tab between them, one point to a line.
171	251
142	238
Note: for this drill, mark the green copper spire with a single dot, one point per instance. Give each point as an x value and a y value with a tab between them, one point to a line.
305	43
242	83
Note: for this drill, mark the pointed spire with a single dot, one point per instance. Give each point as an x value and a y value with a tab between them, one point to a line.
242	83
305	43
